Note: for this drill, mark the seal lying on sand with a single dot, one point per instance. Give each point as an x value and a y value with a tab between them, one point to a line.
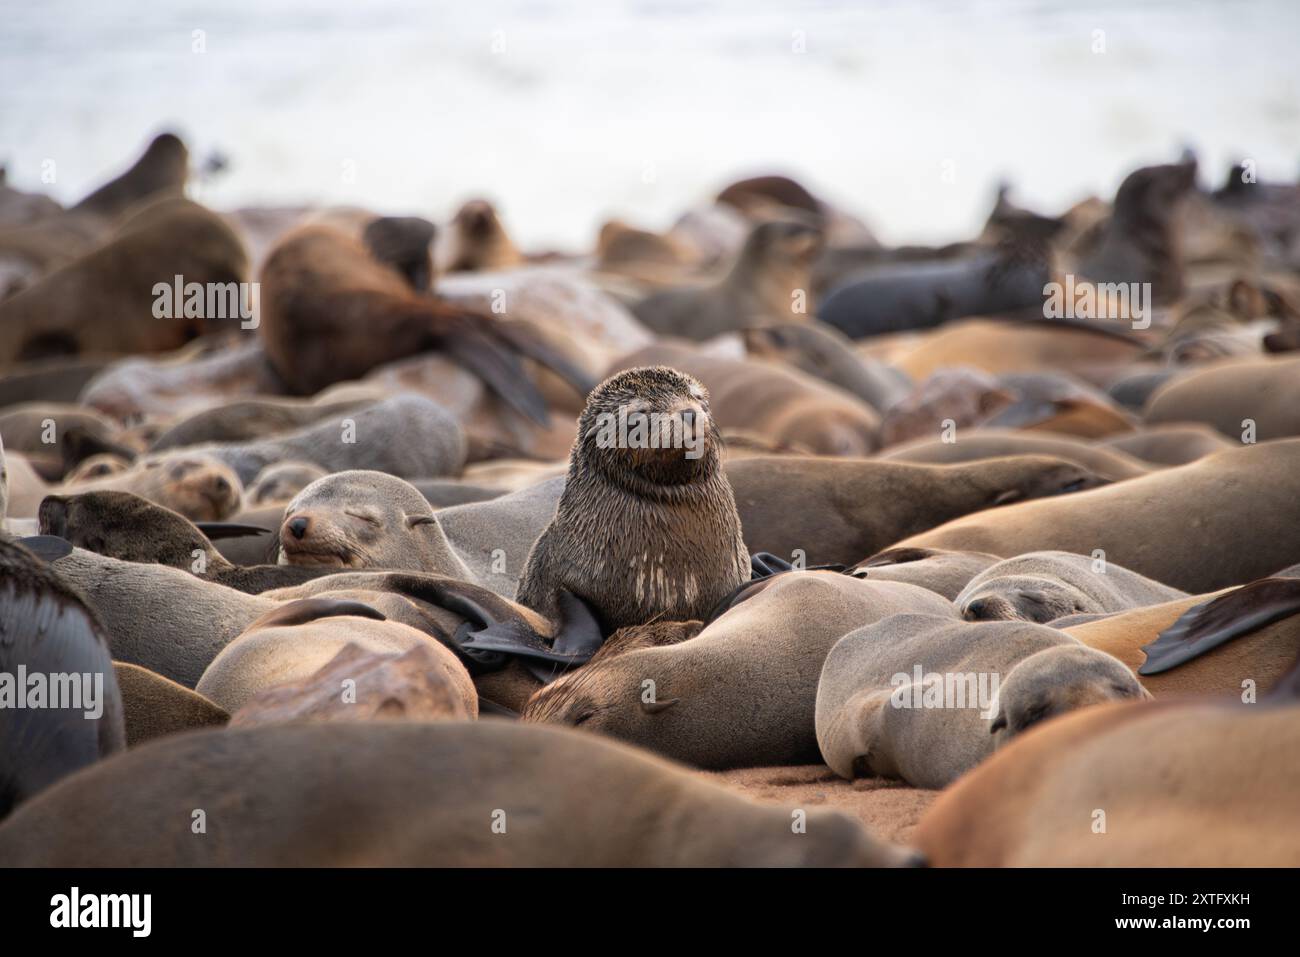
852	508
741	693
51	727
1180	784
903	698
1044	586
1250	488
415	794
646	527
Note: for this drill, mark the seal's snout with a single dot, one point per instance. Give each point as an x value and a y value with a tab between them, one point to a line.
298	526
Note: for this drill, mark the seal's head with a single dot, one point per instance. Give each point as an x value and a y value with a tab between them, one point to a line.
98	466
1022	597
647	430
281	481
1153	192
363	519
127	527
1056	680
201	488
782	244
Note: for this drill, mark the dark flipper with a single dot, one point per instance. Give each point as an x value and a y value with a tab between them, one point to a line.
219	530
48	548
1215	622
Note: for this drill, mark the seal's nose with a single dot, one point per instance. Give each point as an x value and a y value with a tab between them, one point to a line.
977	610
298	526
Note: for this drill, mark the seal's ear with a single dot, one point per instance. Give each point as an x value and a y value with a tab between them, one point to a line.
1007	496
52	516
658	707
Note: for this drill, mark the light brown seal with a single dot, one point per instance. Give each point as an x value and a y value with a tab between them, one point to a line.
416	794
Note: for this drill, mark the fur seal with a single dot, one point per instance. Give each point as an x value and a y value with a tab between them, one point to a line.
155	706
934	569
43	426
124	526
247	420
1251	488
827	354
1181	783
104	303
1044	586
741	693
197	486
1242	638
330	312
293	641
478	241
1169	444
881	712
422	684
646	526
416	794
985	443
1140	242
852	508
921	295
406	435
763	286
282	481
62	708
1227	394
778	403
365	519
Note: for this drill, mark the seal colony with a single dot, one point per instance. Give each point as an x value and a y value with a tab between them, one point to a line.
830	510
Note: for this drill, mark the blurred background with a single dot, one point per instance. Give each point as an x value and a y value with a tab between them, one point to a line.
565	113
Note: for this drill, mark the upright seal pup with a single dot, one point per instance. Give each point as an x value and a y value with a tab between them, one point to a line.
364	519
646	527
777	403
1250	488
1045	586
330	311
59	696
1182	784
764	285
852	508
741	693
416	794
913	696
477	240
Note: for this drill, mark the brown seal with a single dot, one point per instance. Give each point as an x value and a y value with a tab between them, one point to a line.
765	285
48	632
644	529
477	241
416	794
156	706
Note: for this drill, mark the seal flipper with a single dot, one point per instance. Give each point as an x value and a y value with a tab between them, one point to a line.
219	530
48	548
1215	622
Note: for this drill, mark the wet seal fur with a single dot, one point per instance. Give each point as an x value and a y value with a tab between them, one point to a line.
640	533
